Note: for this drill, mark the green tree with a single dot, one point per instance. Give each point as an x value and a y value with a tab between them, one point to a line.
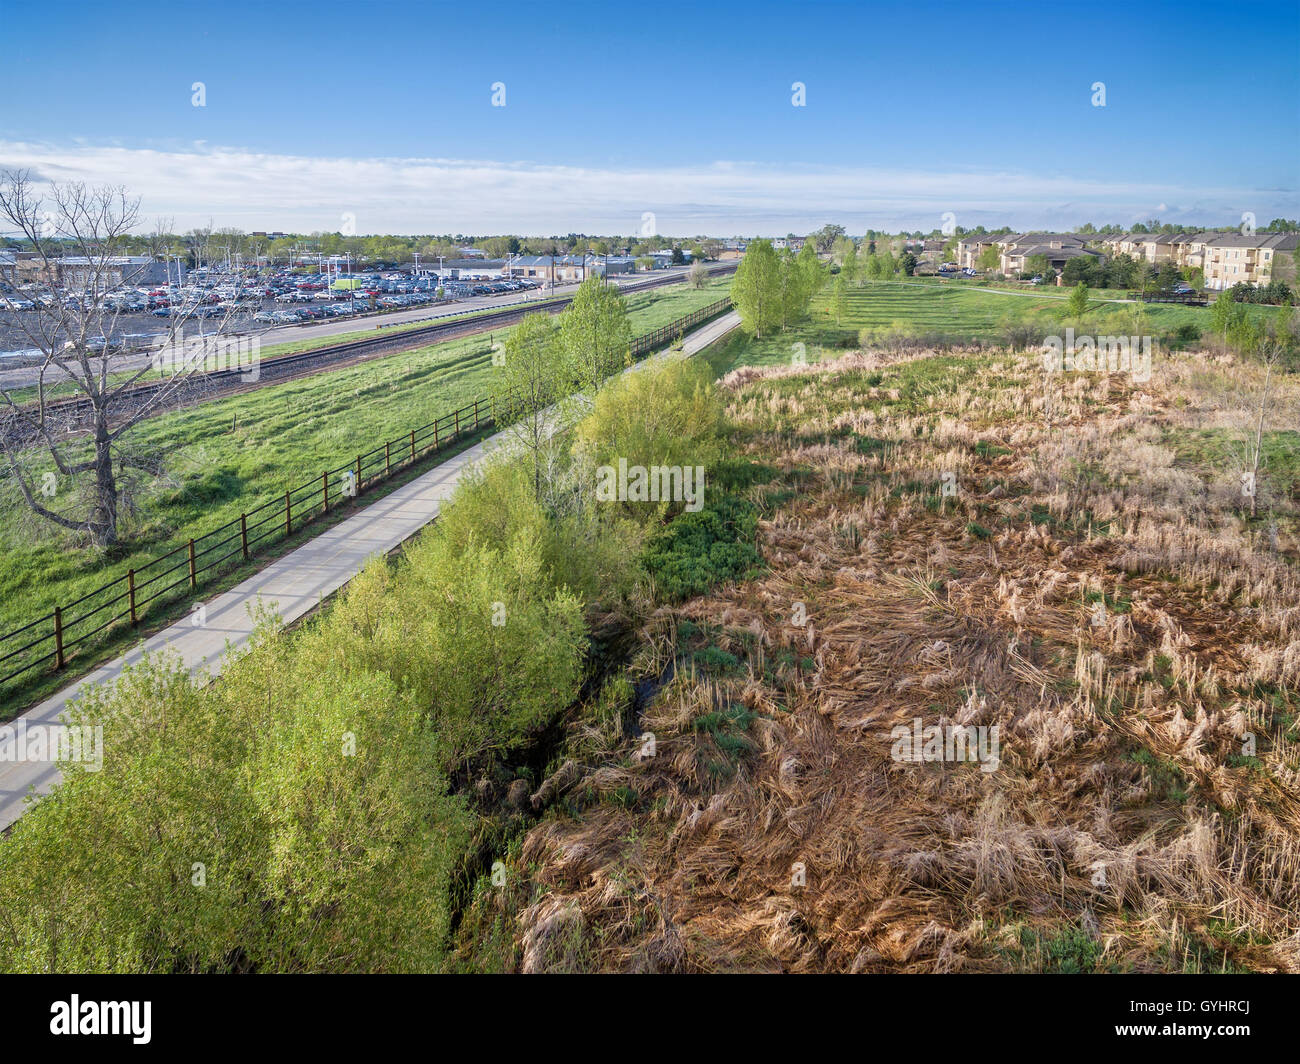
595	333
1078	301
756	289
826	236
850	265
813	271
989	259
531	373
837	297
1223	312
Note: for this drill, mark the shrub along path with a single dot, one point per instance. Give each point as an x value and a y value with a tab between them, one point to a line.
292	586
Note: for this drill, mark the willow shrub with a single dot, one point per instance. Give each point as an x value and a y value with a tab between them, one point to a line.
589	550
296	815
664	413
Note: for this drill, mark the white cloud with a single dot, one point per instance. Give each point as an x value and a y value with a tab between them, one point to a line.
253	190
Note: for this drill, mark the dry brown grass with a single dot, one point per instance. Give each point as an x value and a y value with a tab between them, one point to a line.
1122	808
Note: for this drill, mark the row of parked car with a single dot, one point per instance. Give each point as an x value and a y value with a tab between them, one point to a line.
297	298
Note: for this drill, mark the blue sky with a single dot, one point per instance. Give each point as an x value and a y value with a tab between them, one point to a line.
383	112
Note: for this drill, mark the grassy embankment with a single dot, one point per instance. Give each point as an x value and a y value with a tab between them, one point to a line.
230	455
895	314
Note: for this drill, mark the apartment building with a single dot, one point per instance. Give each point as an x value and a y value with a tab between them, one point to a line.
1225	259
1255	258
973	245
1056	248
1015	249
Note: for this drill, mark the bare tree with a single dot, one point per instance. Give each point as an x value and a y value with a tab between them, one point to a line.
79	244
1258	407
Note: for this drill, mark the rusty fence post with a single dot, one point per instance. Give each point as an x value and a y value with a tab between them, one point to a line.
58	637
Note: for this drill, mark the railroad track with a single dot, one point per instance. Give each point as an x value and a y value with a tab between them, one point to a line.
203	387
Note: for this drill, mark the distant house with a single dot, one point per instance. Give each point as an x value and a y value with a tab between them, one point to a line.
473	253
9	266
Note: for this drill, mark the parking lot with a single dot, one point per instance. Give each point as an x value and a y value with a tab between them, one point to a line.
301	305
278	310
133	316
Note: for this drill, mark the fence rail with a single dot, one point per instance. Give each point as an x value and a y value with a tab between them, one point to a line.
52	639
1194	299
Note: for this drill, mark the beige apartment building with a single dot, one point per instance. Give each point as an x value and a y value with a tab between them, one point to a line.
1225	259
1015	249
1257	258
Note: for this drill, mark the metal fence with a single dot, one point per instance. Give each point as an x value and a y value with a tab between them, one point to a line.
52	639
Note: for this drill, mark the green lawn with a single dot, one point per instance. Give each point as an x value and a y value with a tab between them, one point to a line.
230	455
289	347
950	314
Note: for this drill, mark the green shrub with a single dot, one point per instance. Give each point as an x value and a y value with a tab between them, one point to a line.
665	413
699	550
308	790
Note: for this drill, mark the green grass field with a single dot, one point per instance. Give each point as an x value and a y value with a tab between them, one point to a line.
289	347
953	314
230	455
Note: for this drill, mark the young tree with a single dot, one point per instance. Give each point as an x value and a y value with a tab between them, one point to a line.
1078	301
1256	410
850	265
813	271
1224	312
595	333
698	276
756	289
531	375
837	297
79	242
989	259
